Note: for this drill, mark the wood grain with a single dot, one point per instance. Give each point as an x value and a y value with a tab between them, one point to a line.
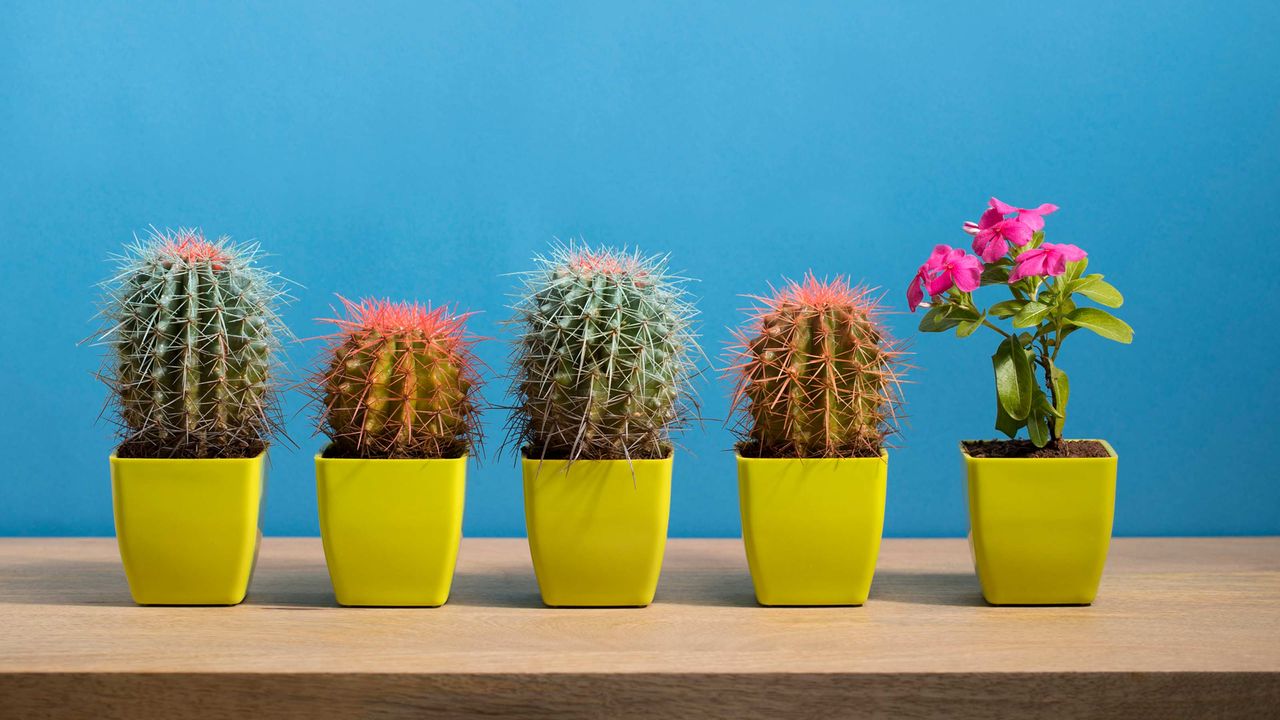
1181	627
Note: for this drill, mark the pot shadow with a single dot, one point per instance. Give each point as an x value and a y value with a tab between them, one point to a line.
498	589
293	586
519	589
707	586
98	583
926	588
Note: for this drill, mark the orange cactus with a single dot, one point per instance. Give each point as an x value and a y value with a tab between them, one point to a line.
816	373
399	380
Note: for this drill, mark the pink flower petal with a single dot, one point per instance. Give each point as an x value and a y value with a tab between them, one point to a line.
1031	220
1070	252
990	218
968	273
915	294
1015	231
938	257
991	247
1002	208
941	284
1028	264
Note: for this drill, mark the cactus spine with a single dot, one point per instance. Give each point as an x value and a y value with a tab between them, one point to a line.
604	357
399	381
816	373
193	332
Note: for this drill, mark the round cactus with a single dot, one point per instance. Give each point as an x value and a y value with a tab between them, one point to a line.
399	380
816	373
193	331
604	357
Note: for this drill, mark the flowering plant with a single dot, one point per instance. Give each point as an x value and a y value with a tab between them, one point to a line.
1045	280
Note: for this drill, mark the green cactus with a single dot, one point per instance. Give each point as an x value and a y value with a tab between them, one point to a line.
604	357
399	381
816	373
193	332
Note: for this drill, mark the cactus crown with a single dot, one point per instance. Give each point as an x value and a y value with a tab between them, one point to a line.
604	356
816	373
399	380
193	332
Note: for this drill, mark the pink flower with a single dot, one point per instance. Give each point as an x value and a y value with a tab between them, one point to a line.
1031	217
1048	260
946	266
993	233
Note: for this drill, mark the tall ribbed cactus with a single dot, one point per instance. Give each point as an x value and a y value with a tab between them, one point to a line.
193	330
399	381
816	373
604	357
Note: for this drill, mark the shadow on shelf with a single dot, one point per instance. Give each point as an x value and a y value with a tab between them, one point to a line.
707	586
66	582
925	588
504	589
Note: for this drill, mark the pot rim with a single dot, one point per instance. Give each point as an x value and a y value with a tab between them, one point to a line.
671	454
260	456
319	457
1112	456
884	455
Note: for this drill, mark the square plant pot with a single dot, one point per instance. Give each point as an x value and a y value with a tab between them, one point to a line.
597	529
812	527
391	528
1040	528
187	529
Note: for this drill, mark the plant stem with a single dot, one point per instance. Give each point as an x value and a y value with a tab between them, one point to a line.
1055	431
993	327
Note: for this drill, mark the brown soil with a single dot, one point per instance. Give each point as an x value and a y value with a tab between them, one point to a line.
1026	449
753	450
153	450
553	453
334	452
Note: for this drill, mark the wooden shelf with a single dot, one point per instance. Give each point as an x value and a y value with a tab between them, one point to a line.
1181	627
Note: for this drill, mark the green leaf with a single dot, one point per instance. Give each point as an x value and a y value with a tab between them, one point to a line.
1038	429
995	275
955	312
1043	405
1099	291
1031	314
1101	322
1006	308
936	320
1005	423
965	329
1075	270
1037	238
1014	380
1061	393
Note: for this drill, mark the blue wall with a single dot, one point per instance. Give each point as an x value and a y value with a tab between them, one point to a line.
422	151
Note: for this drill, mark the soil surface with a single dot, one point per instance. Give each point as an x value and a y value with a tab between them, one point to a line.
753	450
1026	449
566	454
334	452
150	449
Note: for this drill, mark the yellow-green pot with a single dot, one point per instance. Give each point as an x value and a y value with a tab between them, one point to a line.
597	529
812	527
391	528
187	529
1040	527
